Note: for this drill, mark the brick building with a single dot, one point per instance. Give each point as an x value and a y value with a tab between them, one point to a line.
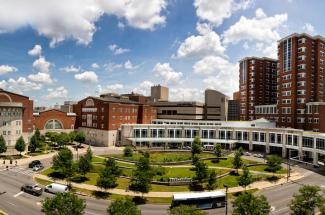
54	120
16	114
301	81
257	84
101	117
300	99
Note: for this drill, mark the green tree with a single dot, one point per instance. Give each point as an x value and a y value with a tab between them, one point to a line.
32	144
89	154
196	146
322	210
63	204
84	165
201	172
273	163
123	207
20	145
307	200
72	136
108	176
80	137
218	150
237	161
142	176
186	210
63	162
212	181
246	178
128	151
3	146
63	139
247	203
37	134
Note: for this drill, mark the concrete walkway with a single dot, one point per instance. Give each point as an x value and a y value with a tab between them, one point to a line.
256	185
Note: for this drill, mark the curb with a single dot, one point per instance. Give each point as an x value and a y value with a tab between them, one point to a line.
3	212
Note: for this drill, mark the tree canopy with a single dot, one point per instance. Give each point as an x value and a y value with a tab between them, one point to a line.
3	146
273	163
63	204
186	210
196	146
142	176
247	203
108	176
20	145
63	162
246	178
307	200
123	207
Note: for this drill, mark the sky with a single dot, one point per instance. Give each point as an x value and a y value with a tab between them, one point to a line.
58	50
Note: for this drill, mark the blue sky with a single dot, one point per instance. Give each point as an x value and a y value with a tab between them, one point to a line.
58	51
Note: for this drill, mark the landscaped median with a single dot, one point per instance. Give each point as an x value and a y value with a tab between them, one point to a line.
162	187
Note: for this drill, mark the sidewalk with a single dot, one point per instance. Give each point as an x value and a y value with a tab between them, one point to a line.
257	185
28	159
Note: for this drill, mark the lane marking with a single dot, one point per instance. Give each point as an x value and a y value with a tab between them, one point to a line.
18	194
11	203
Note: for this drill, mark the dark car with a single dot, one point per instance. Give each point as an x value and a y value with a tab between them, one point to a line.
33	189
34	163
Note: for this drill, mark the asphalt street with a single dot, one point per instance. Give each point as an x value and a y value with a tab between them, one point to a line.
15	202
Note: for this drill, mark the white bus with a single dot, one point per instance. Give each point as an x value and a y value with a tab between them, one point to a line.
202	200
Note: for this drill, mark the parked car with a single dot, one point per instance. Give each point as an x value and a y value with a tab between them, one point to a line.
56	188
33	189
34	163
260	156
38	168
247	154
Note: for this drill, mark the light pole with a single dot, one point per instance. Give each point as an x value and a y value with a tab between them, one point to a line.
226	186
288	165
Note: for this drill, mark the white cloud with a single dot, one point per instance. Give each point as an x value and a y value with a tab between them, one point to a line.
70	69
59	20
143	88
58	93
128	65
117	50
207	42
167	73
41	77
260	28
219	73
216	11
309	28
213	64
4	69
41	65
95	66
110	88
87	77
36	51
19	85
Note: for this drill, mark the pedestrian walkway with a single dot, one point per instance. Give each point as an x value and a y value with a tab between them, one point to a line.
18	169
257	185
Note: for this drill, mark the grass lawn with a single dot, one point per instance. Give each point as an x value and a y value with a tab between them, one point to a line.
161	157
228	163
261	168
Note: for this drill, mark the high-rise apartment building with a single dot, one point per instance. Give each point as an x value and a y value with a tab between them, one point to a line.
300	81
257	84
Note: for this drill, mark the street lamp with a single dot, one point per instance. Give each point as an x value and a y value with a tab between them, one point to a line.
226	186
288	165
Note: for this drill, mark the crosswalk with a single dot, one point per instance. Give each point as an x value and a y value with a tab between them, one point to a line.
19	169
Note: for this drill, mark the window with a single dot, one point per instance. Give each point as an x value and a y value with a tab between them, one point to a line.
307	142
53	124
287	46
243	69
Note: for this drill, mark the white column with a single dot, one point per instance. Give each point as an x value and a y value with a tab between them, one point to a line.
315	154
267	143
284	147
250	138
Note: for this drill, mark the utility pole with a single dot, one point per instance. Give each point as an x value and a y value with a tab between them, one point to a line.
288	165
226	186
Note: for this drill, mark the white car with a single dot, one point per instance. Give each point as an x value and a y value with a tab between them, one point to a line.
56	188
37	168
247	154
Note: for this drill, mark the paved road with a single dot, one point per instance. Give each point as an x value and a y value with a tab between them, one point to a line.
15	202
